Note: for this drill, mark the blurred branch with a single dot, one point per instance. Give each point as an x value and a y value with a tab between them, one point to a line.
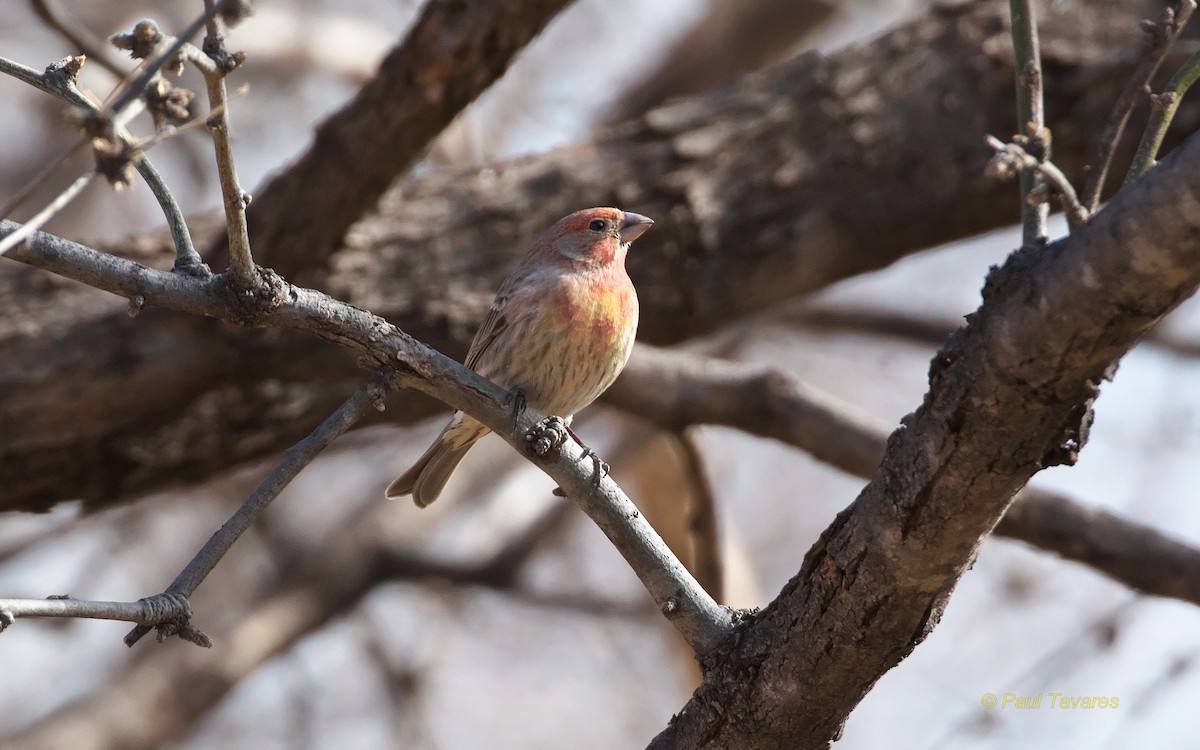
707	563
1137	556
1162	111
731	38
674	389
790	180
1160	37
327	581
60	22
1031	115
452	54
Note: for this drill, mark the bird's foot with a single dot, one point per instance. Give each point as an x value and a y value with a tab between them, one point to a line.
550	434
547	435
518	402
601	468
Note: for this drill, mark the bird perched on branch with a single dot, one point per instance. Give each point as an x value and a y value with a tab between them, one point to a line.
557	335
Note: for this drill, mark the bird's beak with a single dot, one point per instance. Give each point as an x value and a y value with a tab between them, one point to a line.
634	225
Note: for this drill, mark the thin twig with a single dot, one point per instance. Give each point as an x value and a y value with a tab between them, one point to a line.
1031	115
148	612
59	79
240	259
132	88
1160	38
1012	159
38	220
1162	110
39	180
707	561
367	397
58	21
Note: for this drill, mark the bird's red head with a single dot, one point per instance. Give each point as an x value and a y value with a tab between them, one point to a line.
594	236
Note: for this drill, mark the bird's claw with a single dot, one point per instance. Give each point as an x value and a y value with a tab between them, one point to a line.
547	435
601	468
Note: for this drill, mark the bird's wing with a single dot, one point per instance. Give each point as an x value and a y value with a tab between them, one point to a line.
495	322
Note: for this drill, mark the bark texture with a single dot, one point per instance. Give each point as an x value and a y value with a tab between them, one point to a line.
1010	394
819	169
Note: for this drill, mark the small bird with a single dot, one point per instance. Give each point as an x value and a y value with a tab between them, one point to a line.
557	335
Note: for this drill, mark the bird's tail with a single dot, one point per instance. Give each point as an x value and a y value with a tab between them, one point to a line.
425	480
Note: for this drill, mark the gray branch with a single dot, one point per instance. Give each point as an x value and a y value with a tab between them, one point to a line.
701	621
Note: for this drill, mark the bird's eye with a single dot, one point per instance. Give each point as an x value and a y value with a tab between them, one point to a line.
598	225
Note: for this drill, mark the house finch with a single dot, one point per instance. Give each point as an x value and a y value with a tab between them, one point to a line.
559	332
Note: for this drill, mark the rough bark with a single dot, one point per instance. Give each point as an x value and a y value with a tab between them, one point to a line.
1010	394
820	169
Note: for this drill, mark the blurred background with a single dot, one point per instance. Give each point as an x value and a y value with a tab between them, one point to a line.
503	618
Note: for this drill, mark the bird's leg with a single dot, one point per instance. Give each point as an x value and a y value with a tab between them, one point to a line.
601	468
518	402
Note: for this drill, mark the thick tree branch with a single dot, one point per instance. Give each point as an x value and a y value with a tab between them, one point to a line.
779	185
453	53
1009	394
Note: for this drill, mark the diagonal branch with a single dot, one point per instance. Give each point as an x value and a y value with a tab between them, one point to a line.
1010	394
410	363
1160	38
370	395
674	389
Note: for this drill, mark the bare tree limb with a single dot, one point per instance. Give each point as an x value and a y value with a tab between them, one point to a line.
150	611
699	619
369	396
1010	394
1137	556
326	582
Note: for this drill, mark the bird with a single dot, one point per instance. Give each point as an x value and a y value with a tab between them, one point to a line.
559	332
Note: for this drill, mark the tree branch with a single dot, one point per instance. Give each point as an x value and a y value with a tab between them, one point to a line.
1009	394
1031	114
674	389
329	580
410	363
370	395
1160	38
